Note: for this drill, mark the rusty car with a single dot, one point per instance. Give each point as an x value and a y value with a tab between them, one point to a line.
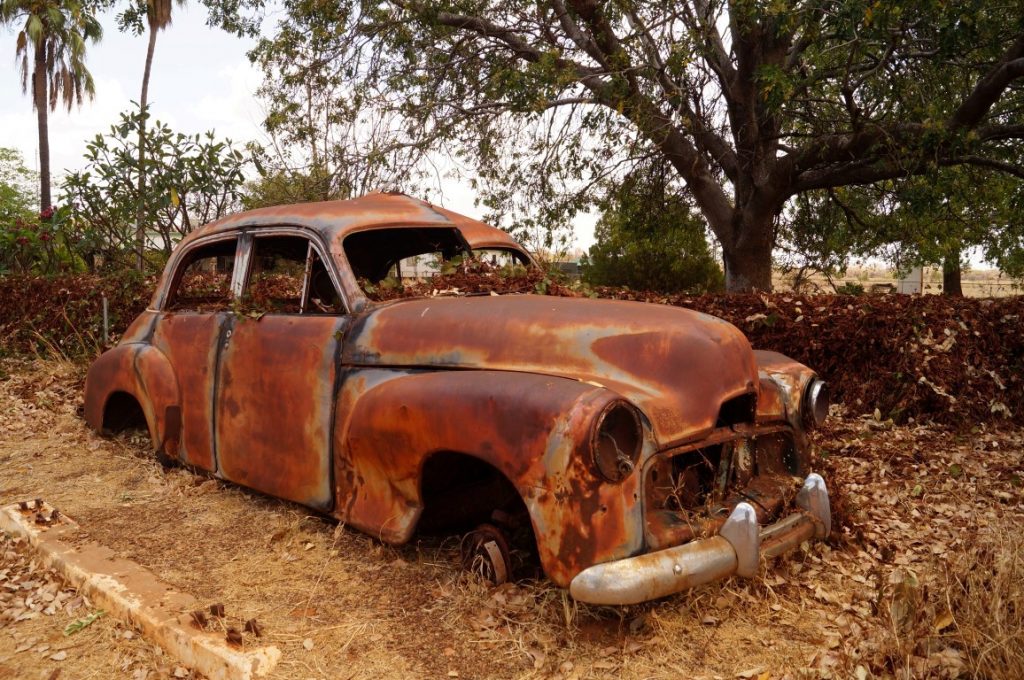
645	448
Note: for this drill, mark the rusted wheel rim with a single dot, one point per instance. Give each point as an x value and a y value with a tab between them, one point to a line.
485	552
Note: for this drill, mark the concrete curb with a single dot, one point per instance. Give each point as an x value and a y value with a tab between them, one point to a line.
134	594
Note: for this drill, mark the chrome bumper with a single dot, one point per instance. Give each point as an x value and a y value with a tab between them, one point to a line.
737	549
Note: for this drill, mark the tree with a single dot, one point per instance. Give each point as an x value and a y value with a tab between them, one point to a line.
157	16
16	199
324	142
648	238
922	220
193	179
53	35
16	214
751	102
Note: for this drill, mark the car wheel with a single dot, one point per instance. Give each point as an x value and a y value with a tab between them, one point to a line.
485	552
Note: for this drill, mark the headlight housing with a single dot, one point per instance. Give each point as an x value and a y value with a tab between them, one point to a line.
616	442
815	403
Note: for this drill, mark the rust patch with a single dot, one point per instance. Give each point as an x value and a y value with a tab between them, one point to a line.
275	403
191	343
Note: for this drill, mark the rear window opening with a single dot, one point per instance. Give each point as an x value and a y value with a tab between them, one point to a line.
501	257
204	280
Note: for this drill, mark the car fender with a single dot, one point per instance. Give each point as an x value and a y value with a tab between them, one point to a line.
146	374
534	429
783	382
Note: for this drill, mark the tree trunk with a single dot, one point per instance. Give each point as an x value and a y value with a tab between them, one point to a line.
748	270
951	284
41	100
748	256
140	211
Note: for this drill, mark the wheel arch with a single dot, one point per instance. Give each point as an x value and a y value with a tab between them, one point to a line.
459	490
144	374
532	429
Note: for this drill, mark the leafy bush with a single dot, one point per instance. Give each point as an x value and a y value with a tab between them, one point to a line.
648	238
190	180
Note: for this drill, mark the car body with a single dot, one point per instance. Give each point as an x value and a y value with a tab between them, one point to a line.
649	446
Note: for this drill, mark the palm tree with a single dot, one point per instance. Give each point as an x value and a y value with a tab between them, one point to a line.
53	34
158	17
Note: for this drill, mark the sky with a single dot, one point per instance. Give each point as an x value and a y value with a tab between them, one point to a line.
201	80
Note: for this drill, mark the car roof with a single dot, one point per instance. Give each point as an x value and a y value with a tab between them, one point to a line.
334	220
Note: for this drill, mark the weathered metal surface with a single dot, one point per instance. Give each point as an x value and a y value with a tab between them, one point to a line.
347	412
141	371
133	594
273	423
481	235
334	220
743	534
678	366
532	428
671	570
191	343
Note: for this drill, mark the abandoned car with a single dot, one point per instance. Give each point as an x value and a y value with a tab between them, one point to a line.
646	448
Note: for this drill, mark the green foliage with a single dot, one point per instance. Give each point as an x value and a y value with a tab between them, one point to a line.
920	220
278	184
752	103
62	27
648	238
17	197
29	241
190	180
136	15
80	624
50	53
850	288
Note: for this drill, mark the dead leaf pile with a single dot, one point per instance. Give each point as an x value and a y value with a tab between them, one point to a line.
932	358
27	589
924	504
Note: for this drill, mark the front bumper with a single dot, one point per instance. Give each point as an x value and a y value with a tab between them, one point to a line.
737	549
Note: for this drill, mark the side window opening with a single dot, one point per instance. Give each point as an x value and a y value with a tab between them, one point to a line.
500	257
276	275
287	276
321	295
203	281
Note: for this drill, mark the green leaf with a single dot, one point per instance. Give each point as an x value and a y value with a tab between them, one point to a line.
80	624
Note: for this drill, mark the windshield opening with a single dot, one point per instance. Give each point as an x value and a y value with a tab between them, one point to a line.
390	258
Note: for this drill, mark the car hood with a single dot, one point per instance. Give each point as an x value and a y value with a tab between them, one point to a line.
678	366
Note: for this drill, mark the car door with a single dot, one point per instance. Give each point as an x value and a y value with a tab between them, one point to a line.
193	318
277	373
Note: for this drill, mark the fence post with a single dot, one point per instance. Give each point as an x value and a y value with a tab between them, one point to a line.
106	333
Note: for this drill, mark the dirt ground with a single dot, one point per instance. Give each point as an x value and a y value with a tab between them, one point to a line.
924	513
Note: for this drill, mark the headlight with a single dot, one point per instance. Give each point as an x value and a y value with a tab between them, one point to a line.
618	438
815	403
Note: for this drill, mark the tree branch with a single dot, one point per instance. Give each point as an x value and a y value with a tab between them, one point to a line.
990	88
1000	166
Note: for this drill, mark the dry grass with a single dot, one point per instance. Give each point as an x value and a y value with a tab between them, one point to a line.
985	595
370	610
